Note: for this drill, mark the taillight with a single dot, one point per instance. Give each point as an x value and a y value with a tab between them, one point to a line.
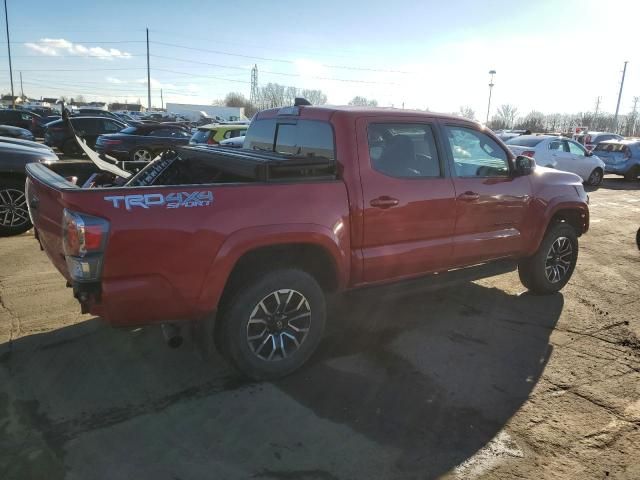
528	153
84	241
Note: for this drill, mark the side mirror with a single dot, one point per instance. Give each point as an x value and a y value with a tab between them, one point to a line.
524	165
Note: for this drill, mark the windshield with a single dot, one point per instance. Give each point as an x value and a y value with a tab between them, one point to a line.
524	142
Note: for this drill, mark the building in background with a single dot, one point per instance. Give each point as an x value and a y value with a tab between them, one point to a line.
198	112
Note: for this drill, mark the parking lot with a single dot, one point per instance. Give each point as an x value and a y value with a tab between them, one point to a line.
475	381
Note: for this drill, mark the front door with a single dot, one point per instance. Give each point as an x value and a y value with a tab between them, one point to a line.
409	205
491	203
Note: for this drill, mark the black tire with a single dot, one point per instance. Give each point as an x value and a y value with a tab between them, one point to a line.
538	272
234	329
596	177
141	152
632	174
14	217
71	148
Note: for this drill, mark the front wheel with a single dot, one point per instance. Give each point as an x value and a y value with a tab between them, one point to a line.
595	178
14	217
550	268
273	325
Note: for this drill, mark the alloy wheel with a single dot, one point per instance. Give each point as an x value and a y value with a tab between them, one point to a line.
142	155
595	178
13	208
278	325
558	261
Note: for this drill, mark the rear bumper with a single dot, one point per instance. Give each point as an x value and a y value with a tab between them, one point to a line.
135	301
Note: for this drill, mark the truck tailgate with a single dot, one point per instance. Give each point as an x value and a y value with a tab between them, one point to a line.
45	200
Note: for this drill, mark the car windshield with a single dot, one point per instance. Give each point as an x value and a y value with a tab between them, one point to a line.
524	141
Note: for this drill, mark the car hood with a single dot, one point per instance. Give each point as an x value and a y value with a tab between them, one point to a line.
551	176
24	143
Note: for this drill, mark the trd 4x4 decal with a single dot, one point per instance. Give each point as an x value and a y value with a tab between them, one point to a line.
170	200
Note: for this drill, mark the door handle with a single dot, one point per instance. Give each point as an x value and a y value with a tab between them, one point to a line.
469	196
384	202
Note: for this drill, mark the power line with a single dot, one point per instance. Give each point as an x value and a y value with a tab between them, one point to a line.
271	59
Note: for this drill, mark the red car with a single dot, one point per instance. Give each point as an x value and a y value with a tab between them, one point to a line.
248	244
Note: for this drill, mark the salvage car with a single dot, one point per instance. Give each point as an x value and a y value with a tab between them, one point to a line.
246	246
591	139
58	135
561	153
215	133
14	218
21	118
621	157
143	142
16	132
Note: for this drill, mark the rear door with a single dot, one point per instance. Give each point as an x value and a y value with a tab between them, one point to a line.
491	203
560	153
409	204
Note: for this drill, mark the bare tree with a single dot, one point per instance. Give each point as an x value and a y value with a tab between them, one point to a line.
533	121
363	102
235	99
467	112
316	97
507	115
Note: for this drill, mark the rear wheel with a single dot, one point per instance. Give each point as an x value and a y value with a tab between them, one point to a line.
596	177
71	148
14	216
141	154
551	267
632	174
273	324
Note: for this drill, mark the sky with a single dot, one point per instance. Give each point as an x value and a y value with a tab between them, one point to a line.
550	56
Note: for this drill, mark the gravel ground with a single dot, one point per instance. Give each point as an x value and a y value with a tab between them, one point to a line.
476	381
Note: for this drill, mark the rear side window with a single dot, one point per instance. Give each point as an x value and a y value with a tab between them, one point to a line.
403	150
129	130
202	135
610	147
301	138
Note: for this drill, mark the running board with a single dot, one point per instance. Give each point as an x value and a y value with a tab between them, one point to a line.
436	281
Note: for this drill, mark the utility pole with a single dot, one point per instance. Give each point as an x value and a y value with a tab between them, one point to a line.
161	100
148	72
6	22
21	88
634	116
491	84
595	115
615	118
253	96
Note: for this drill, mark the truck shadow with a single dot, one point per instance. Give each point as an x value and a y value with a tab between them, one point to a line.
432	377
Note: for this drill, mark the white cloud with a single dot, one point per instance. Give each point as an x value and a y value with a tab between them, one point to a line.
157	84
53	47
45	50
115	80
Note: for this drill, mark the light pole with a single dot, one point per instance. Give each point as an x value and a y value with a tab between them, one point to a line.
615	117
6	22
492	73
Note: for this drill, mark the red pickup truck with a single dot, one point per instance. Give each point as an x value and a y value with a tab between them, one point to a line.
320	200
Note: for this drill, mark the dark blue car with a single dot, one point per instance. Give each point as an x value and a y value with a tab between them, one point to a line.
143	142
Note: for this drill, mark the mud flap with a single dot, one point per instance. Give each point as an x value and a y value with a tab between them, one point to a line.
202	332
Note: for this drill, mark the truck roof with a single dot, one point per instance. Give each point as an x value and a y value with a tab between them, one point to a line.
325	112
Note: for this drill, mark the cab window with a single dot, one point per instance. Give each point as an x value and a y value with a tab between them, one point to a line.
475	154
